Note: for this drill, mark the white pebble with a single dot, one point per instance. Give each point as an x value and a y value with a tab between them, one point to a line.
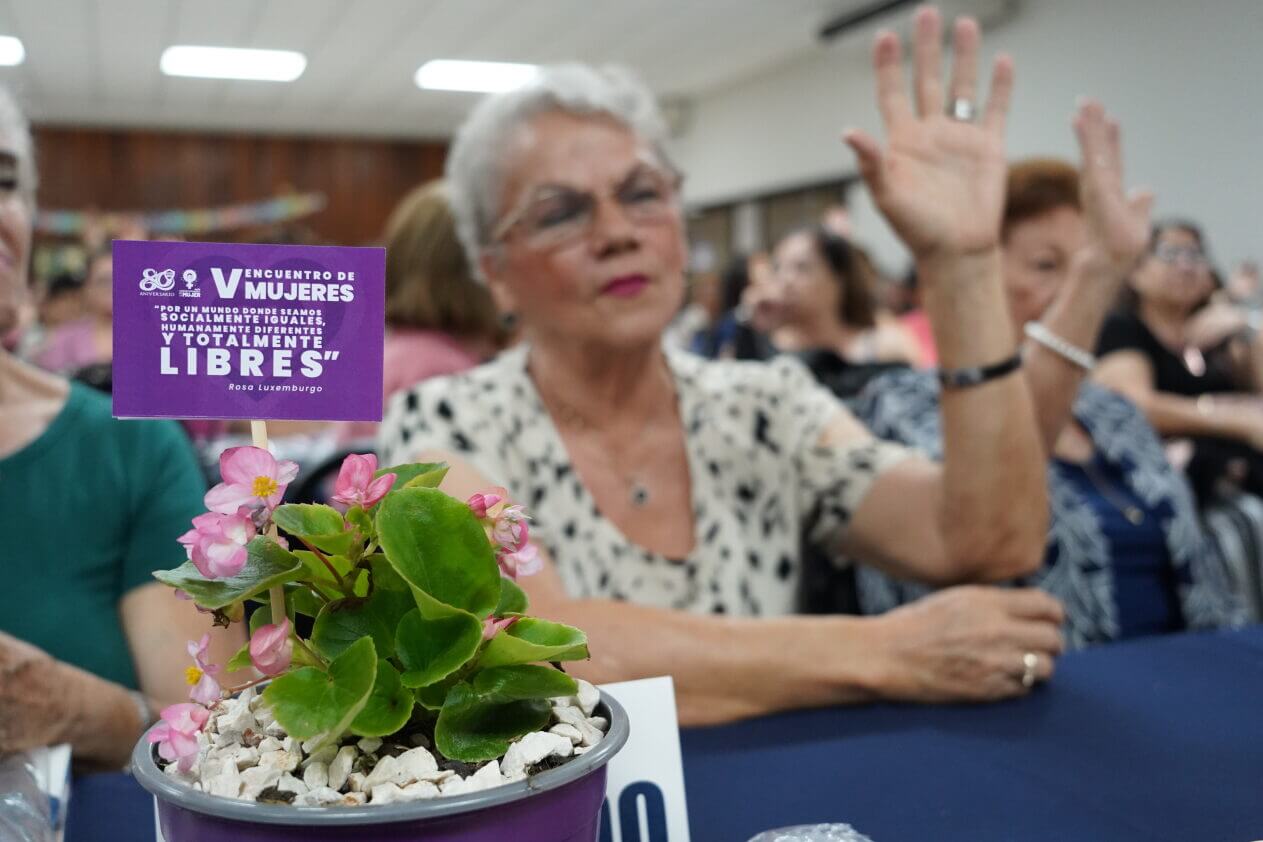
355	782
368	745
588	697
270	744
318	798
226	782
582	750
533	748
386	794
254	781
455	786
385	771
414	763
341	767
568	731
284	761
316	776
245	757
485	778
233	724
419	790
600	723
289	783
324	755
354	799
573	716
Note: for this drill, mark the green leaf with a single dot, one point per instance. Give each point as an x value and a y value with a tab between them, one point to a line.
511	684
320	526
359	518
418	474
437	545
434	644
320	576
303	601
342	623
473	729
239	661
512	598
531	640
311	704
389	705
268	564
433	696
385	575
307	519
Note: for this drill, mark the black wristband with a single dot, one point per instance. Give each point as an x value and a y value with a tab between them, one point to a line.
959	378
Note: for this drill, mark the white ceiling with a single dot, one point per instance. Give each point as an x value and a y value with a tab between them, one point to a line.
95	62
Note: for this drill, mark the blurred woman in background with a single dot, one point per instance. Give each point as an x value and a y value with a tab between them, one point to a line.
439	320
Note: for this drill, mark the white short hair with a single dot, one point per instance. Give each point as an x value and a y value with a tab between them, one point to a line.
15	128
475	165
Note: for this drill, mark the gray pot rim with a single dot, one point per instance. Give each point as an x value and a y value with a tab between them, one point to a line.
146	771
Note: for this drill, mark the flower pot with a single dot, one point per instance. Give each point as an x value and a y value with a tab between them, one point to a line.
559	805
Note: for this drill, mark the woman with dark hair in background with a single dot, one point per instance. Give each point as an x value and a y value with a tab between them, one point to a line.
439	319
1195	369
826	311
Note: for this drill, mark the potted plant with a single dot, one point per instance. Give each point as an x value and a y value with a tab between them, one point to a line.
423	704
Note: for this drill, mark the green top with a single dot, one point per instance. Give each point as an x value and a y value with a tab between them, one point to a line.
87	511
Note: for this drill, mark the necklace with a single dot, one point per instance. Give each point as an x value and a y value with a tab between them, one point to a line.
1134	514
638	493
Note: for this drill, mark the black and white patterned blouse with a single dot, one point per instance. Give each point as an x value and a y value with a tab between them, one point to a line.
761	485
904	407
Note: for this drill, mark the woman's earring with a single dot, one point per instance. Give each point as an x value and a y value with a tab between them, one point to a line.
508	320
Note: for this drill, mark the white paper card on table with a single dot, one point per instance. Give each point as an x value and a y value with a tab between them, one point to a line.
644	799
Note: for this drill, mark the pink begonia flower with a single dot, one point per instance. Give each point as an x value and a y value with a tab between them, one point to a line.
484	504
176	734
509	532
356	486
491	626
217	543
202	522
252	477
525	562
201	676
271	650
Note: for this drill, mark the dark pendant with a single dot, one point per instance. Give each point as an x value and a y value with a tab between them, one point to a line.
639	494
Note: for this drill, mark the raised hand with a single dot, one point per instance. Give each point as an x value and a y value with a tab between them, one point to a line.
1117	225
940	179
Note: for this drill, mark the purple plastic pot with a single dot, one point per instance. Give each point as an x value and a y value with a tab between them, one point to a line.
560	805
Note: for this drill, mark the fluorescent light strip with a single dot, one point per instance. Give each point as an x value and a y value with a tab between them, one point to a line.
233	63
11	51
480	76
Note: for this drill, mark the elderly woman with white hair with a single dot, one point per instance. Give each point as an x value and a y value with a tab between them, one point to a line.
90	644
671	495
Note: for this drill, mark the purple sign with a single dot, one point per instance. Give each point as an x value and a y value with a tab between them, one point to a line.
220	330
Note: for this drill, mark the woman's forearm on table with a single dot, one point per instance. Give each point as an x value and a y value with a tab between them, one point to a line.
726	669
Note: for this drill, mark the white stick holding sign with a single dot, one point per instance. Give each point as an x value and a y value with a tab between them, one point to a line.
645	791
259	432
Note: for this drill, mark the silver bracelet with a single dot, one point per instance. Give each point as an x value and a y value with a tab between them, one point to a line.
1070	353
143	710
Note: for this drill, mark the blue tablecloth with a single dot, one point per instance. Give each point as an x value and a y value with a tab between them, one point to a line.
1154	741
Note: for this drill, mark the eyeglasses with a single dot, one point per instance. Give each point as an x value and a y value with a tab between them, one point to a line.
556	216
1171	255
